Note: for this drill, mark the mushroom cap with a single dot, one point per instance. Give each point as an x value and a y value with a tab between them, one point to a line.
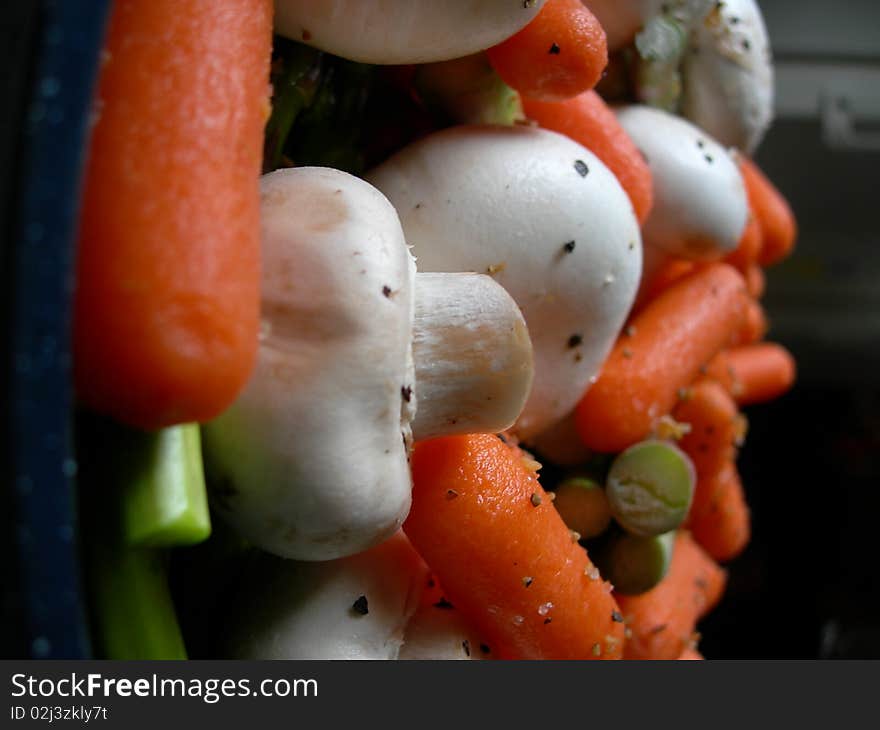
292	610
728	75
700	205
510	201
311	461
402	31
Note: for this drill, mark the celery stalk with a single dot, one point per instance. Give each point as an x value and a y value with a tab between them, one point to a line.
163	482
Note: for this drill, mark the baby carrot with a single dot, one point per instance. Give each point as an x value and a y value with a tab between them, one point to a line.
587	119
504	556
666	274
775	217
715	428
660	352
167	302
723	527
661	622
754	327
754	373
691	654
756	281
561	53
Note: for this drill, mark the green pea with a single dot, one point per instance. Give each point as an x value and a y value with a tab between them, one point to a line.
650	487
636	564
583	506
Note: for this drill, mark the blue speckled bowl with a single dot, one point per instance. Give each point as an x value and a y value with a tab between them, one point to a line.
52	50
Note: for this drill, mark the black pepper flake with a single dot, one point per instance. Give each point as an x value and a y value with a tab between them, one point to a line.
535	499
581	168
527	581
485	648
386	290
451	494
575	340
306	35
746	45
709	159
466	645
406	393
701	143
616	617
443	603
568	247
659	628
431	583
360	606
547	620
554	49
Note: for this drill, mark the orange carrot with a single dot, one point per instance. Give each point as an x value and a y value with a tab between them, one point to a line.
167	303
755	325
715	428
749	247
670	271
660	352
662	621
754	373
775	217
756	282
691	654
588	120
504	556
560	54
723	527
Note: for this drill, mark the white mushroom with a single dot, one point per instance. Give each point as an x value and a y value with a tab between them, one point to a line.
353	608
402	31
728	75
700	206
547	220
438	631
311	460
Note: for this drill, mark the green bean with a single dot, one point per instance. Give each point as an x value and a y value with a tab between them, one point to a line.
650	486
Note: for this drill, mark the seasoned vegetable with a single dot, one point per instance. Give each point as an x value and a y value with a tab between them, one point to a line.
560	54
660	352
504	556
661	622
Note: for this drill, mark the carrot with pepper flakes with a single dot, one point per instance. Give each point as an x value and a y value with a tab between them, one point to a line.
661	622
715	429
588	120
660	352
723	527
504	556
754	373
561	53
167	303
775	217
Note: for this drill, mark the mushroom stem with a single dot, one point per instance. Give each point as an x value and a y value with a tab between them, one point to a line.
473	355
